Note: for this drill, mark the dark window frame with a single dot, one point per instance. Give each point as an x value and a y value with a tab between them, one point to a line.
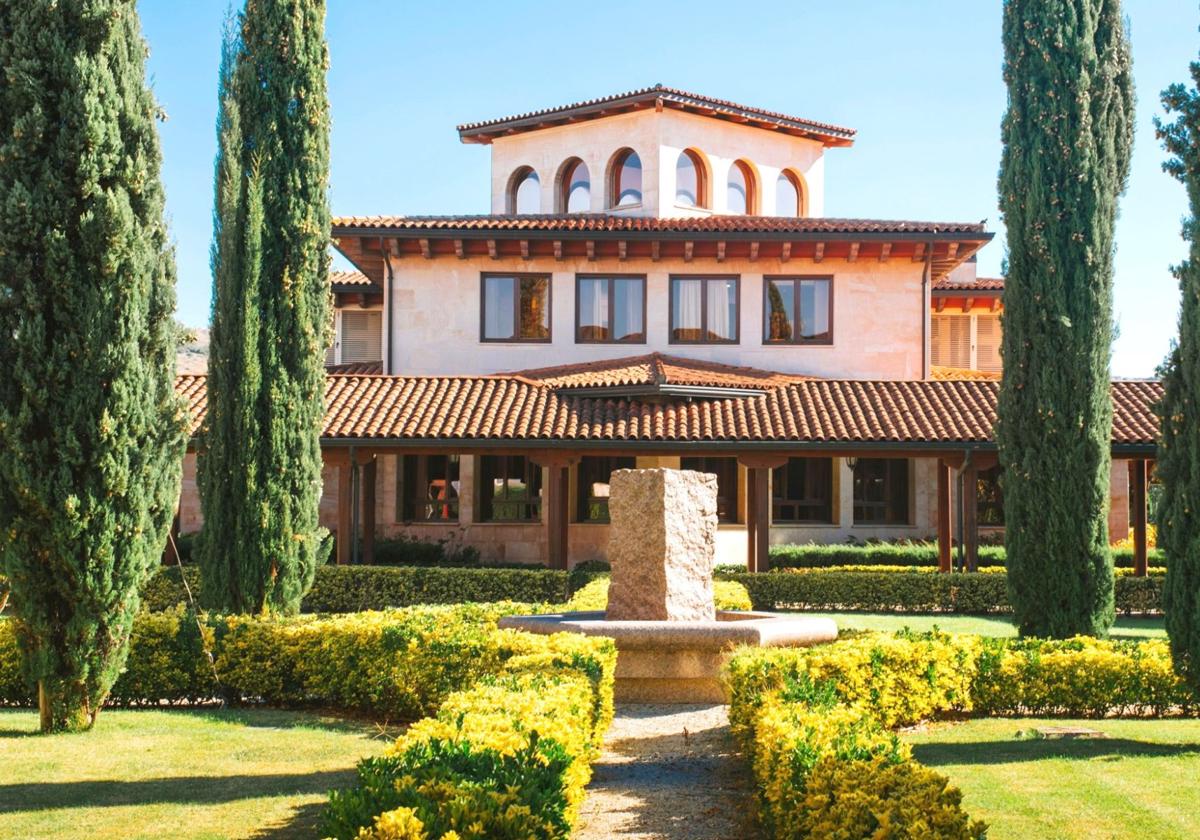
750	177
611	307
585	477
703	202
796	180
887	505
779	503
563	187
613	199
485	511
768	279
516	276
989	511
731	499
407	502
706	278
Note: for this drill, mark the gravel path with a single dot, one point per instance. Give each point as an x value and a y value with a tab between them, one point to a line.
653	782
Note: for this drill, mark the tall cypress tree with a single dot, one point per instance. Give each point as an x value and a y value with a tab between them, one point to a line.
1179	444
91	430
1068	137
260	465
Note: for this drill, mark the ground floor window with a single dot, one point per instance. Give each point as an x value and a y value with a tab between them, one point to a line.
881	491
802	491
427	488
726	471
989	499
510	489
593	476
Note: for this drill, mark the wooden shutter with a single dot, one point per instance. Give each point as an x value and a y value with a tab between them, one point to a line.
362	336
950	343
987	343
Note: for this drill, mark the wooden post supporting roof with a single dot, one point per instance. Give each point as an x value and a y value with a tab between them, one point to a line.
944	530
369	472
758	519
556	517
345	491
970	508
1137	499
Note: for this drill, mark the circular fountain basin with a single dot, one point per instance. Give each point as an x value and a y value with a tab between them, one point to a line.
680	661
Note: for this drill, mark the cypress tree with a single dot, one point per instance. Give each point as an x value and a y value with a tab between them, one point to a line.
1067	143
260	465
91	430
1179	444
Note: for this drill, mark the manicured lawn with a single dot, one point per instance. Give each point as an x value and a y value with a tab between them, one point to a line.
980	625
1138	782
181	774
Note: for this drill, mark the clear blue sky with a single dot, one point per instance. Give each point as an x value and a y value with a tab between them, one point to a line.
920	81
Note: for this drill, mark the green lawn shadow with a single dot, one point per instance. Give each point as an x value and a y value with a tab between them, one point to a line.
1037	749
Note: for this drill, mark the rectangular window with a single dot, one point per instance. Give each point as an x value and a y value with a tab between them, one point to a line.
362	336
427	488
510	489
592	488
704	310
797	310
950	341
515	307
989	498
802	491
610	310
726	471
881	491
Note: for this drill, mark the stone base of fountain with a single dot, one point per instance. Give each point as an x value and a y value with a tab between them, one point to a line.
680	661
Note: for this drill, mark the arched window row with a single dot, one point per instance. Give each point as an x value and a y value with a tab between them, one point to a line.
623	187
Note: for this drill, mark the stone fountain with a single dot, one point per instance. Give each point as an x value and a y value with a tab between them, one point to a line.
671	641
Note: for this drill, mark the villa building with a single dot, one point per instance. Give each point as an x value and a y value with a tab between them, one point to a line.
657	284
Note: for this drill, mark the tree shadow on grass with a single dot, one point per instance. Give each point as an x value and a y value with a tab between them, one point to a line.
303	824
183	790
1036	749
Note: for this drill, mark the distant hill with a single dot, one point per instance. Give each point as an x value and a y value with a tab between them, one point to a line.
193	356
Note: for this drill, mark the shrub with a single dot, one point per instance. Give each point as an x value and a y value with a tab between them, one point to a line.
412	551
812	555
15	688
916	589
727	595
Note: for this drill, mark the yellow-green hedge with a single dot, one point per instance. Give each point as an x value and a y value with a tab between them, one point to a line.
507	758
727	595
817	722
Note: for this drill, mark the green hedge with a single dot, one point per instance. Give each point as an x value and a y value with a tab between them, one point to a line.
907	589
343	589
812	556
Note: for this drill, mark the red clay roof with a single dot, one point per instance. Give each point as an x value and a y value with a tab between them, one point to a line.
950	374
519	410
349	278
484	132
600	223
979	284
360	368
657	369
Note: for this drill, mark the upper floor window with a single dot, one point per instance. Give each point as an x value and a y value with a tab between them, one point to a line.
575	187
881	491
741	198
797	310
726	471
625	188
789	195
427	488
690	187
594	474
802	491
515	307
704	310
610	309
524	192
362	336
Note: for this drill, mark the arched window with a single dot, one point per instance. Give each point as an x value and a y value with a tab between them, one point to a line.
625	186
575	187
690	186
741	197
524	192
789	194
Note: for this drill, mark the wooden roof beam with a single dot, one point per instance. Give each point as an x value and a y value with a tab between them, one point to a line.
688	248
721	250
996	303
885	252
753	251
941	304
426	250
591	250
493	251
785	253
655	251
919	252
819	252
853	255
968	304
459	250
524	249
558	250
622	250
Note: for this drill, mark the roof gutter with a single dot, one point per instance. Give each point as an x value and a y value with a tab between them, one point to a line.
683	236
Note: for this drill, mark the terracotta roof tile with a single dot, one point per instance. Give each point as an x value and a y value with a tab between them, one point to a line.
356	367
514	408
657	369
979	284
718	108
349	278
948	374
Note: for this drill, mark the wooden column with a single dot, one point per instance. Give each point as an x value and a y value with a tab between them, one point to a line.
758	507
752	506
970	509
1137	499
945	531
556	517
344	498
368	504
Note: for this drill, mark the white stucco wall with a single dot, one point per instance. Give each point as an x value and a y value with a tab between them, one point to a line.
658	138
878	313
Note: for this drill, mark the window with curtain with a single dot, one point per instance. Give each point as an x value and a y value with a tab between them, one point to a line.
526	192
797	310
740	189
427	488
989	498
626	183
802	491
610	309
788	195
510	489
576	188
689	180
881	491
704	310
516	307
726	471
593	475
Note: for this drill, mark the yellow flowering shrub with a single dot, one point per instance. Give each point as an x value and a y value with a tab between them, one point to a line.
727	595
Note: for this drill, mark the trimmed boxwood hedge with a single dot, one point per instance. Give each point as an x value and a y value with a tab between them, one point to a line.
813	556
909	589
